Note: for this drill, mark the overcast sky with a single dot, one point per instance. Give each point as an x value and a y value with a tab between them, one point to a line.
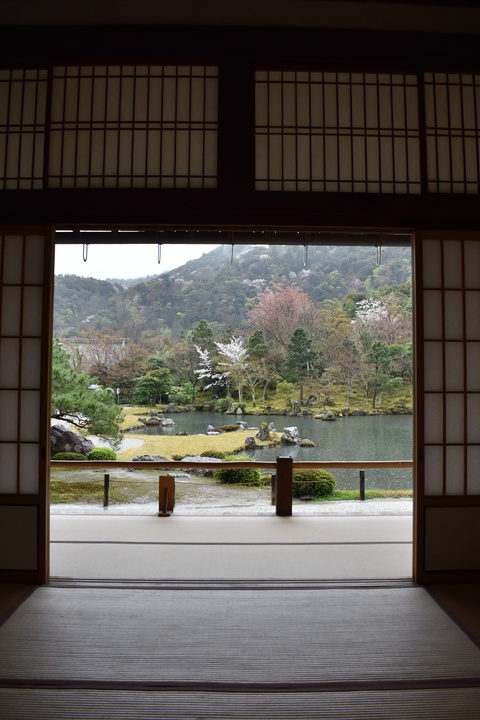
123	261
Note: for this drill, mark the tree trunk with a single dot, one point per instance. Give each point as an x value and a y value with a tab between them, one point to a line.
264	391
301	394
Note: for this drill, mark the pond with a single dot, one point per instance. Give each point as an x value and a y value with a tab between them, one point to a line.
379	437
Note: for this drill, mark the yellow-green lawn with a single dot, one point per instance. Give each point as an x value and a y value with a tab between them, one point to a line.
170	445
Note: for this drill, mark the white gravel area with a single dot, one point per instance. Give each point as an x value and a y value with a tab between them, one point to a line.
128	443
379	506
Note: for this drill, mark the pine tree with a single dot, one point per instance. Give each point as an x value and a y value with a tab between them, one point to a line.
300	359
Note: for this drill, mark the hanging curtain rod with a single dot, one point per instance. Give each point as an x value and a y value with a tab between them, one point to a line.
218	237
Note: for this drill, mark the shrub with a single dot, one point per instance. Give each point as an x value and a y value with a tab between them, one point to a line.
316	483
178	458
102	453
221	404
241	476
68	456
213	454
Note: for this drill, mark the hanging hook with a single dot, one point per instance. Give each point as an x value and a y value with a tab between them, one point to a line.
233	244
305	251
85	252
159	253
379	254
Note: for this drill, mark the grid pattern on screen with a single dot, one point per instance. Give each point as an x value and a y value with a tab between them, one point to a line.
451	349
23	95
21	320
452	112
133	126
337	132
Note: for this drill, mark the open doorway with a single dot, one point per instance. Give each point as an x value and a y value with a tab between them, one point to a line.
300	349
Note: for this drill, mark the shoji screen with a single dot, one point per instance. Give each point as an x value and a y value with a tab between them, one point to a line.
337	132
448	399
24	341
133	127
23	100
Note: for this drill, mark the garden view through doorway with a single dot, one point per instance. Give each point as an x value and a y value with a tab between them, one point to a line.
245	353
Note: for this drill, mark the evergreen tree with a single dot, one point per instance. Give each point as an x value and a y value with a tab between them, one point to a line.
300	359
151	387
77	398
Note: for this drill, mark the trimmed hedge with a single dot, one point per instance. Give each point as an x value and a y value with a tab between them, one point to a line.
102	453
213	454
69	456
240	476
313	483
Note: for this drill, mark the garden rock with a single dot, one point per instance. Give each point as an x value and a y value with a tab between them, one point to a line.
264	433
200	458
63	440
326	415
232	409
250	443
307	443
290	436
312	400
149	458
172	408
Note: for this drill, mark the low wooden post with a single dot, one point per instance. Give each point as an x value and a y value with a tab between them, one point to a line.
283	502
106	489
166	495
362	484
273	487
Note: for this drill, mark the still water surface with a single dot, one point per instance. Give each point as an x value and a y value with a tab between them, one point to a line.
380	437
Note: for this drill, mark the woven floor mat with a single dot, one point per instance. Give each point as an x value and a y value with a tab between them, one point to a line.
241	637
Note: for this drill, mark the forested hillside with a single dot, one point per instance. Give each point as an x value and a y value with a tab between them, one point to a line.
214	288
268	325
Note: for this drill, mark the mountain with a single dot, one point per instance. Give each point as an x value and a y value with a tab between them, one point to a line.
219	290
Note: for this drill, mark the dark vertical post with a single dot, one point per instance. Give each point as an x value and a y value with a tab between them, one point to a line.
284	486
362	484
273	486
166	495
106	489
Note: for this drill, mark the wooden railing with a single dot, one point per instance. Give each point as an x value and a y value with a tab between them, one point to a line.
281	470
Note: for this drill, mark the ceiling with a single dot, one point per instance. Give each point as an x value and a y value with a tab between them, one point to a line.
417	15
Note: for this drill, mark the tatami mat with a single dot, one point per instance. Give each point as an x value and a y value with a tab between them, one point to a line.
317	637
179	548
175	529
92	705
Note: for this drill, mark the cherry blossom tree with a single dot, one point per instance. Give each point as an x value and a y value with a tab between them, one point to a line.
280	310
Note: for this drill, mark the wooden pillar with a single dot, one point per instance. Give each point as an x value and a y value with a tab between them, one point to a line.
166	495
284	486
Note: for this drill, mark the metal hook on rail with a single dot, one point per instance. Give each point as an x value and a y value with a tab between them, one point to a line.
85	252
305	252
379	254
159	253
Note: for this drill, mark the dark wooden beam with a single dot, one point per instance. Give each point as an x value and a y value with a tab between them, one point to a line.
234	208
42	46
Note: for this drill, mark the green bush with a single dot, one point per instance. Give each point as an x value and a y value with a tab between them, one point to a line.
102	453
241	476
68	456
178	458
221	404
314	483
213	454
226	428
